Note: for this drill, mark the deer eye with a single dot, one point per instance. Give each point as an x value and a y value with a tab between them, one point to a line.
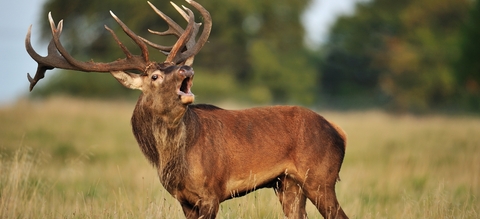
154	77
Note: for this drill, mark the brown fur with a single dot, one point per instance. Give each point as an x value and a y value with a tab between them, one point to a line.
205	155
213	154
341	132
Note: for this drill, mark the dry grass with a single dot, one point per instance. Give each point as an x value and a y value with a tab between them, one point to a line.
65	158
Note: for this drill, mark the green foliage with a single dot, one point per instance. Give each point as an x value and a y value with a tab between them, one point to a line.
468	66
288	76
402	55
215	87
237	26
401	52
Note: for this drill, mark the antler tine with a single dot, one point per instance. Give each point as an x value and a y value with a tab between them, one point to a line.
52	60
173	29
123	47
196	27
192	47
190	53
180	11
132	35
182	40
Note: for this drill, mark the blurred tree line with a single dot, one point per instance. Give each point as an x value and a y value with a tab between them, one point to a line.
253	49
411	55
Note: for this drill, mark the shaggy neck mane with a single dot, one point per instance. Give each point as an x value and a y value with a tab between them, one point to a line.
164	145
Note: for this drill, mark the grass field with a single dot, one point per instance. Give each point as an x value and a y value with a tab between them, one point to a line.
66	158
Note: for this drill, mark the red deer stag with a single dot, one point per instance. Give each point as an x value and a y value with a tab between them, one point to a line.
203	154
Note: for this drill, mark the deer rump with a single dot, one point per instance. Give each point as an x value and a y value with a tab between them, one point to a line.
216	154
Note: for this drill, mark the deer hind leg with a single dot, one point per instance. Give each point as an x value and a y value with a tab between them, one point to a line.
323	196
291	198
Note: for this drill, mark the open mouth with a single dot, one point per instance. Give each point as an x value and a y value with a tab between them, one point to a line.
184	91
184	88
186	85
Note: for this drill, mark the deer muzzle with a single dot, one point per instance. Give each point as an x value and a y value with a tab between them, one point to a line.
185	73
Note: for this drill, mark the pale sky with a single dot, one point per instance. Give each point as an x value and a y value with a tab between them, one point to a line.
16	62
319	16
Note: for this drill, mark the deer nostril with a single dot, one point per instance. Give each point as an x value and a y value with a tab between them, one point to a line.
186	71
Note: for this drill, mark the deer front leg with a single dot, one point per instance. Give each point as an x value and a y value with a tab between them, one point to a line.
202	209
190	211
208	210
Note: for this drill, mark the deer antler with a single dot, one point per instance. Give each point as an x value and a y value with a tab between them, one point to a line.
189	48
58	57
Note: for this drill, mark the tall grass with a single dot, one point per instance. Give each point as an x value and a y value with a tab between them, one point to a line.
66	158
18	188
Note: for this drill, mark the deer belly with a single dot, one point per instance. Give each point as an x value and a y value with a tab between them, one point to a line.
247	180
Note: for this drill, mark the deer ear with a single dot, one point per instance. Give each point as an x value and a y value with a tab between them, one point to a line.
129	80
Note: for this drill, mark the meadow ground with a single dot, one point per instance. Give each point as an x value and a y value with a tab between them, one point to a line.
67	158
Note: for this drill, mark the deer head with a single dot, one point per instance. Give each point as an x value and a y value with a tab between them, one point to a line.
159	82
